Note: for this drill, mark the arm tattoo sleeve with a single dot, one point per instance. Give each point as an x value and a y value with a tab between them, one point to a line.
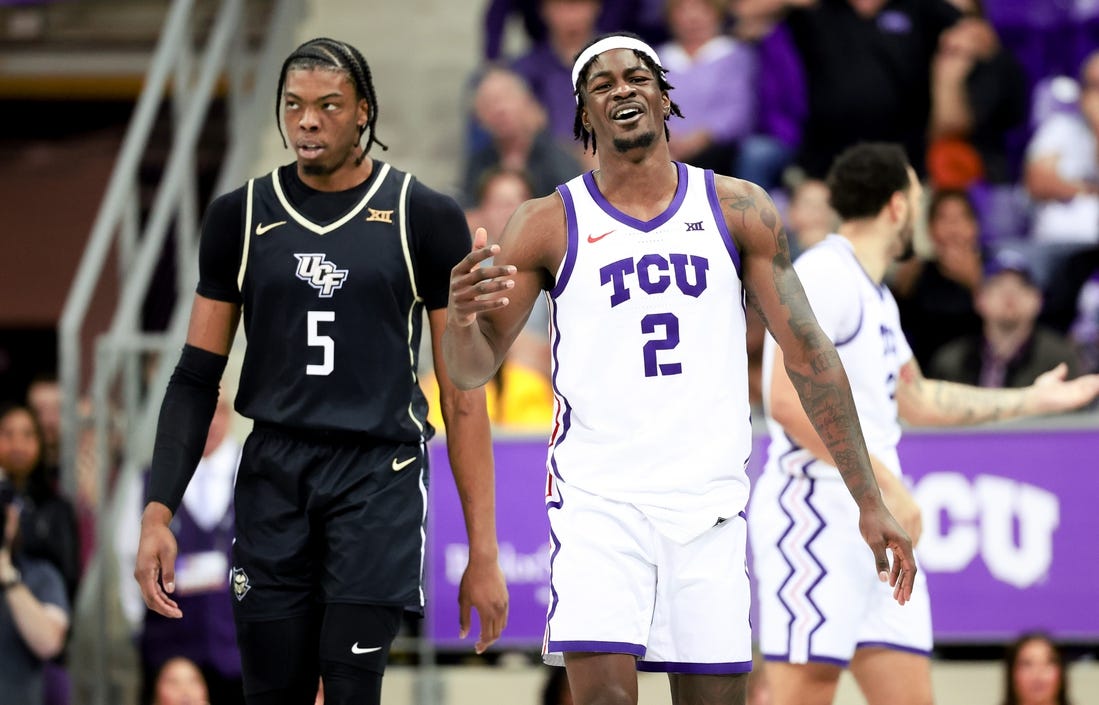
818	375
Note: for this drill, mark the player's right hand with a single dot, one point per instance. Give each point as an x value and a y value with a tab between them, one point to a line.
474	288
881	531
154	569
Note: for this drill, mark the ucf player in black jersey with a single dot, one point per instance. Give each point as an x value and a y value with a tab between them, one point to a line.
331	260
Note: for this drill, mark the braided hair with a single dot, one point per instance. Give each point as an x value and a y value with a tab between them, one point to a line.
334	55
578	130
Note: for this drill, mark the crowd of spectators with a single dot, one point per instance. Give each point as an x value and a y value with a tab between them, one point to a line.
996	103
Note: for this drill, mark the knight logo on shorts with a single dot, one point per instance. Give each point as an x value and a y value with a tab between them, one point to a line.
321	274
241	585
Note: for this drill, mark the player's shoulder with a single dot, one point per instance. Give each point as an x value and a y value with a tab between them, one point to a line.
231	199
826	258
422	196
542	213
535	234
732	187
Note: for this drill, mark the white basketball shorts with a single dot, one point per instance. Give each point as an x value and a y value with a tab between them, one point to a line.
619	586
819	595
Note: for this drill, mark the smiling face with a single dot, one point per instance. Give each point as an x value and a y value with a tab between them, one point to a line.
323	116
623	102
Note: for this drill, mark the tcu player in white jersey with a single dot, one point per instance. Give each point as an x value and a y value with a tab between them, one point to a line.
818	613
647	264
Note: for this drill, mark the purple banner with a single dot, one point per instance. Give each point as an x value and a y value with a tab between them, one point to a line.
523	531
1011	521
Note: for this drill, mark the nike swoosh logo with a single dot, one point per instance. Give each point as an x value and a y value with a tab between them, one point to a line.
401	465
356	650
592	238
261	228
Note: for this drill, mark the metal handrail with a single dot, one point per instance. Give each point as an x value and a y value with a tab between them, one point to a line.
112	214
193	77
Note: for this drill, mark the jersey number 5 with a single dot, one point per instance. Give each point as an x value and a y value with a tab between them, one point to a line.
313	320
670	324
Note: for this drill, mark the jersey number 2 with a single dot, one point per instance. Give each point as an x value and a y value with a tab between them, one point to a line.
671	339
325	343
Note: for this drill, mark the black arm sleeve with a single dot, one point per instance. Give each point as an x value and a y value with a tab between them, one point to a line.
184	423
440	239
220	248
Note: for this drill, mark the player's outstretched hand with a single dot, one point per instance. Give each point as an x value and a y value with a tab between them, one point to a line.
156	560
483	588
475	288
881	531
1052	394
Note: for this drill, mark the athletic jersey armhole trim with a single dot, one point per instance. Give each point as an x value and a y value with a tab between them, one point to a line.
858	327
406	245
722	226
415	310
571	241
247	239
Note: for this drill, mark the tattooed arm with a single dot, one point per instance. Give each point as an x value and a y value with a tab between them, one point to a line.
933	402
812	365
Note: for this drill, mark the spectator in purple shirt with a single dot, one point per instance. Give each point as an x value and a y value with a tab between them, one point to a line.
714	79
644	17
547	67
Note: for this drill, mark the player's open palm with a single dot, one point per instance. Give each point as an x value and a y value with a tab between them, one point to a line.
1053	394
475	287
154	569
483	588
881	531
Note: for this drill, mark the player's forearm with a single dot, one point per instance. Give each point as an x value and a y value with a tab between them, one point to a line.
825	393
470	358
933	402
469	448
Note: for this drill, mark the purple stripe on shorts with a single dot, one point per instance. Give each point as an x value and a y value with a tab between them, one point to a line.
789	528
645	226
572	240
598	647
894	647
716	669
809	550
556	549
785	658
722	226
823	570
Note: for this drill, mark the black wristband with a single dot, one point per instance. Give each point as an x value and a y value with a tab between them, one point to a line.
184	423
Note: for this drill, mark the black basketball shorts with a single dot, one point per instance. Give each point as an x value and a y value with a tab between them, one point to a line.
326	519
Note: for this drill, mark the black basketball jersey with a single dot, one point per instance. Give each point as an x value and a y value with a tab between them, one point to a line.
332	313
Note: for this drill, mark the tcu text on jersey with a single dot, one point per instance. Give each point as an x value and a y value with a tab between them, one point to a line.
321	274
652	275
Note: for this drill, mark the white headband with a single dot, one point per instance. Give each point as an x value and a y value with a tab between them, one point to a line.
615	42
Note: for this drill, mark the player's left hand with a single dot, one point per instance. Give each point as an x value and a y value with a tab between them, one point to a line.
483	588
1050	393
881	531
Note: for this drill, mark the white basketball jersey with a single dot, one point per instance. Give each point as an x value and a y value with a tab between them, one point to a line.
649	359
860	317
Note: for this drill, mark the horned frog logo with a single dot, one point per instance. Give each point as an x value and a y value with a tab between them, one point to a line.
239	580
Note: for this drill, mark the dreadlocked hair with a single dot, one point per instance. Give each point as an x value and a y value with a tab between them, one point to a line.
578	130
334	55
